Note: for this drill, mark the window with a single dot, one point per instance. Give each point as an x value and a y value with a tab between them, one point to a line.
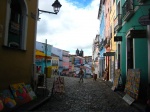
113	1
16	24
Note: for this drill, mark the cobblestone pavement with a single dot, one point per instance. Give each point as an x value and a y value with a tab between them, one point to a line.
89	96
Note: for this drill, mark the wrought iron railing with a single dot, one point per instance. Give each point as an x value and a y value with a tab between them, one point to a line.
127	7
117	22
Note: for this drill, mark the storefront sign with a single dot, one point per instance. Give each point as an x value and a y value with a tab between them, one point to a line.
144	20
137	34
109	54
117	38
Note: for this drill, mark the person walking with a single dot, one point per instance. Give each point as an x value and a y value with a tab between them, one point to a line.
81	74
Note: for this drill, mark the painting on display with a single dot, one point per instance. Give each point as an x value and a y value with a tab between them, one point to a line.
30	92
7	99
133	83
20	93
59	85
116	79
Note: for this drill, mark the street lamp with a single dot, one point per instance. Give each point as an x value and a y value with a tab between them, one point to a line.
56	6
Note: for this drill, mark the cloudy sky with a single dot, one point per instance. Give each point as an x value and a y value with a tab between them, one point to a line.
75	26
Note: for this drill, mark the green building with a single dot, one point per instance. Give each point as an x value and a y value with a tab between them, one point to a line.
133	27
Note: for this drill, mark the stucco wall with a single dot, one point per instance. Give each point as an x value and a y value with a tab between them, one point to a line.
17	65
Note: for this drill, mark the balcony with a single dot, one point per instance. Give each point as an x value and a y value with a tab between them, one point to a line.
101	44
127	10
118	22
141	1
65	55
107	43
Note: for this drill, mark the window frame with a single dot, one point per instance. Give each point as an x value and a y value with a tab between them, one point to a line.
24	9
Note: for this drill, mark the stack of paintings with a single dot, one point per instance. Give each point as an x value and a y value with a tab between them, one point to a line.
17	94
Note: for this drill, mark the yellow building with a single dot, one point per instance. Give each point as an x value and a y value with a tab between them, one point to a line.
17	40
112	43
55	62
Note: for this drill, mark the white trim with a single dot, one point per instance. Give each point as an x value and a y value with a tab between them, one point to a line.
126	53
127	33
7	22
25	24
133	53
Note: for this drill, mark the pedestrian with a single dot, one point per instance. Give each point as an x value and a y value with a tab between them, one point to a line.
94	76
81	74
105	74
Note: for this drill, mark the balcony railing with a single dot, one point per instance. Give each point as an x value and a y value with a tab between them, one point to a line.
118	22
101	44
141	1
65	55
107	42
127	10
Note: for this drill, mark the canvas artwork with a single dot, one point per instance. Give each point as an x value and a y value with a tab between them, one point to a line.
133	83
116	78
59	85
30	92
20	93
7	99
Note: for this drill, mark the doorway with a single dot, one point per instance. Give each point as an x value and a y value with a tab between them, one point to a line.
130	53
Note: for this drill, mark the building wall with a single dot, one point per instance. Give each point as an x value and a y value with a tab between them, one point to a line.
66	60
140	47
41	46
112	43
102	37
58	52
17	64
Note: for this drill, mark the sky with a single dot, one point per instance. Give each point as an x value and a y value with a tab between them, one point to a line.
75	25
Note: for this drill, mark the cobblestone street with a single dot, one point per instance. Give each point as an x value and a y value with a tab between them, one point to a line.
89	96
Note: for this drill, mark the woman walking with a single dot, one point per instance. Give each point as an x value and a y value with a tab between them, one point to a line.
81	74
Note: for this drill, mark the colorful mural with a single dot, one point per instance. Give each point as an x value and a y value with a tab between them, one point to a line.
7	99
133	83
20	93
30	92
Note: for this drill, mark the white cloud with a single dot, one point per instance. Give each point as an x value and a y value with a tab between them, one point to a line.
71	28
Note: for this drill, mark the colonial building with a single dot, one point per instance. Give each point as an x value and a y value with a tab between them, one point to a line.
134	39
95	55
18	23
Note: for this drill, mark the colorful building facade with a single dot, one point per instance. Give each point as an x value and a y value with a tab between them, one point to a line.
134	44
17	40
101	18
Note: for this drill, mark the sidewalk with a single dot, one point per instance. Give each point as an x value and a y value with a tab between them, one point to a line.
137	104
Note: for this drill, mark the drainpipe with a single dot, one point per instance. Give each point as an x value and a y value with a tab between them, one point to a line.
148	34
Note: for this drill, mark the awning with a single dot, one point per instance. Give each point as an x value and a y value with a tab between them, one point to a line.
40	54
137	34
109	54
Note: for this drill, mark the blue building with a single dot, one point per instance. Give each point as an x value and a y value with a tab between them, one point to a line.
101	18
41	63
